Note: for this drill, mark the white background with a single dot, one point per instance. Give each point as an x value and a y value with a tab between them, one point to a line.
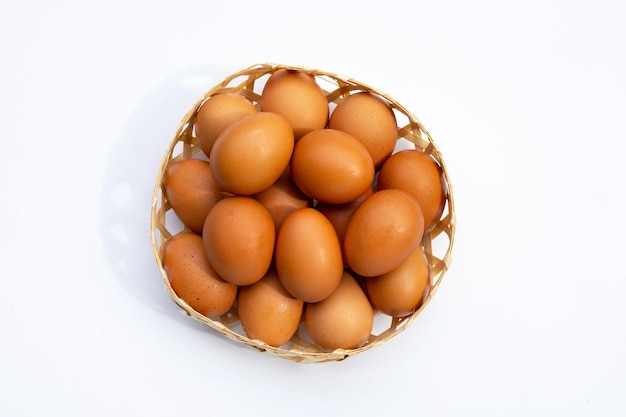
526	100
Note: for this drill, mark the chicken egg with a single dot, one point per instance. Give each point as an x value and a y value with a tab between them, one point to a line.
342	320
281	198
383	231
251	154
239	239
401	291
369	119
191	191
421	176
331	166
339	214
193	279
297	96
216	114
268	312
308	255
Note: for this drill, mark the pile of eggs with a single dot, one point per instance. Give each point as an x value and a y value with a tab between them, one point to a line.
299	212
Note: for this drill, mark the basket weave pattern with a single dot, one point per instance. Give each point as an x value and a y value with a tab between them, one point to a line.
437	244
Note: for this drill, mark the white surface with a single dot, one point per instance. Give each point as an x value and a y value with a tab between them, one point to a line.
525	99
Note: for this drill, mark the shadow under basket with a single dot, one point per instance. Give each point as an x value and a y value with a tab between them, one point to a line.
437	244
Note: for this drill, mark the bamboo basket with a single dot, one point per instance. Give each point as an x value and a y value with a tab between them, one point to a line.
437	244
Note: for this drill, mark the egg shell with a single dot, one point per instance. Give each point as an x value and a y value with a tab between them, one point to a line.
216	114
343	320
191	191
401	291
239	239
383	231
252	153
268	312
308	255
331	166
297	96
281	198
193	279
369	119
339	214
421	176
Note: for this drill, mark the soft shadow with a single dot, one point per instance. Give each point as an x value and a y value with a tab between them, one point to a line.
130	176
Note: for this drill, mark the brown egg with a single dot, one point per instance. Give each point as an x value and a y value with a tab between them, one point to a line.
193	279
385	229
369	119
191	191
343	320
268	312
216	114
421	176
308	255
339	214
331	166
251	154
401	291
239	239
297	96
281	198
